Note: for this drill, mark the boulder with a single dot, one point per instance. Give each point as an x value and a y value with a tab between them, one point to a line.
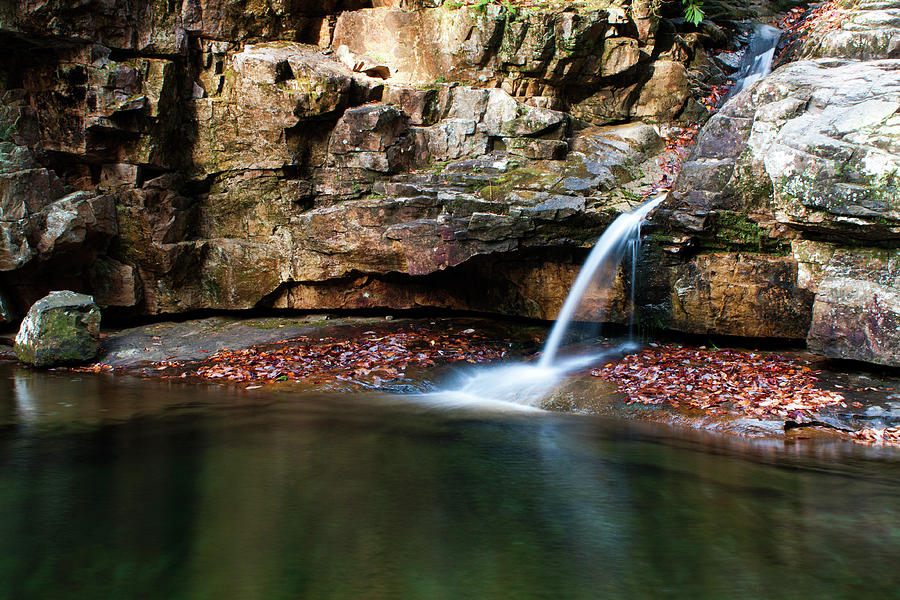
664	95
862	31
805	149
659	95
74	219
505	117
63	327
37	221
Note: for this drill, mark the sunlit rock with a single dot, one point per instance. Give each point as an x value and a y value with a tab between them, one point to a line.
862	31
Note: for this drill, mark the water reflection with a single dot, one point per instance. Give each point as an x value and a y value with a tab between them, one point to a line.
142	489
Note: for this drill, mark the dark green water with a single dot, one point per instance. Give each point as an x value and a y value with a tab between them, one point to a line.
114	488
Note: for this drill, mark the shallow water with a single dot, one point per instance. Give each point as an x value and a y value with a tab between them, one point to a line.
117	487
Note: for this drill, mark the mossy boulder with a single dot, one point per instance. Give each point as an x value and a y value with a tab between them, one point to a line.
62	327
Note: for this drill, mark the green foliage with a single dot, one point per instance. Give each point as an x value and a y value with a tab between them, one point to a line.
630	196
480	6
735	232
692	11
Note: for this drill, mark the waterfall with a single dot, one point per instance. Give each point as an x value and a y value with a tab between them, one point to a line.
757	60
601	268
635	253
522	386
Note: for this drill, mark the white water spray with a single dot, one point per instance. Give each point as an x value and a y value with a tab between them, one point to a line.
522	386
601	268
757	60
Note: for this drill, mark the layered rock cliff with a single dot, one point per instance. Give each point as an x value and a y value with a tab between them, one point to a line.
173	156
168	156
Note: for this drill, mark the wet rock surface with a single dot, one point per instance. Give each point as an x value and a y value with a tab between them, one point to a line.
229	351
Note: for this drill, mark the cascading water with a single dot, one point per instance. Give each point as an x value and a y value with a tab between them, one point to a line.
635	253
757	60
600	268
523	386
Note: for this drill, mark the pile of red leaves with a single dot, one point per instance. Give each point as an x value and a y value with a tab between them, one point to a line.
94	368
791	19
719	381
678	144
799	24
828	16
369	359
711	101
888	436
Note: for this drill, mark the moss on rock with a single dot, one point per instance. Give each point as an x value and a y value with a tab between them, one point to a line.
63	327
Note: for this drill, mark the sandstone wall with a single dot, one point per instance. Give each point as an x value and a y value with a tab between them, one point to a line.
168	156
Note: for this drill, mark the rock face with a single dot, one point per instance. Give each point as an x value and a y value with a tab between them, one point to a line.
527	53
61	328
170	157
801	170
739	294
803	149
857	310
223	155
864	31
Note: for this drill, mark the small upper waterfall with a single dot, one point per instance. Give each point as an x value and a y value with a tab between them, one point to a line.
757	60
601	267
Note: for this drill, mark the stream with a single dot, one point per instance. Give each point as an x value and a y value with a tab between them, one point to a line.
121	487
